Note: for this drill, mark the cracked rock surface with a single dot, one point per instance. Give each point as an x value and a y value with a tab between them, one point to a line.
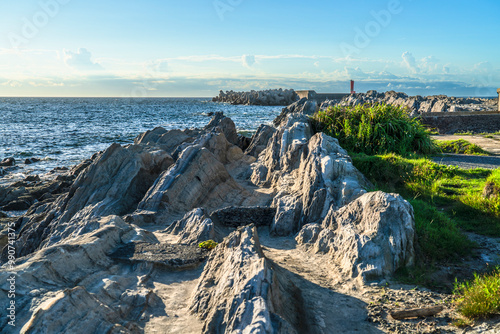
116	248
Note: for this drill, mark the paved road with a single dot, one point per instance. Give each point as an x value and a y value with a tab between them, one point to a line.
491	145
469	161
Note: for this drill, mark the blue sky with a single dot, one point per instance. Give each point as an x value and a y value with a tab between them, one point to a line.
196	47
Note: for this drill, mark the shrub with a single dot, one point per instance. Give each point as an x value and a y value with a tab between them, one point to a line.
376	129
209	244
480	297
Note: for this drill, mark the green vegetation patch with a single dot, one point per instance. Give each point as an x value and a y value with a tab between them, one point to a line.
458	193
209	244
392	151
375	129
439	238
479	298
460	146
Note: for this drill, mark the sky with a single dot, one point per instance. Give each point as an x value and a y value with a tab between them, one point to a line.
194	48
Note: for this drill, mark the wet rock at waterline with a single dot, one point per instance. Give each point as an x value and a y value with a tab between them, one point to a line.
7	162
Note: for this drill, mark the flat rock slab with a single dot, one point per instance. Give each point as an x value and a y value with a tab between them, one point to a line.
242	216
167	255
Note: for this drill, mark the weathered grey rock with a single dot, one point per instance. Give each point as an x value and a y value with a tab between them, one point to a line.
193	228
113	184
30	161
308	234
225	125
242	216
53	285
303	106
369	238
23	203
21	195
72	304
197	179
243	142
310	174
439	106
260	139
67	251
417	104
236	288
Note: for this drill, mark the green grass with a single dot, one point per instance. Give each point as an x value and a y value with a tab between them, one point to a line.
392	151
375	129
455	192
439	237
460	146
438	234
479	298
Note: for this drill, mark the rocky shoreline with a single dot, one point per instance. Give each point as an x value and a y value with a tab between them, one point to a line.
112	244
270	97
416	104
420	105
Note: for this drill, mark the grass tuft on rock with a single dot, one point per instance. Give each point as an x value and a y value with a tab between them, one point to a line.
209	244
479	298
375	129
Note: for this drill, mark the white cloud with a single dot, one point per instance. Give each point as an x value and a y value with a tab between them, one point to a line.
248	60
430	64
81	60
483	67
410	62
12	83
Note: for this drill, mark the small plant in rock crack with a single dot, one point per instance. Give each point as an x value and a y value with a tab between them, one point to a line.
209	244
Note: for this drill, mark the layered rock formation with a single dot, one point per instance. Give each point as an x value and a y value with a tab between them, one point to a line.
238	291
270	97
368	238
126	227
419	104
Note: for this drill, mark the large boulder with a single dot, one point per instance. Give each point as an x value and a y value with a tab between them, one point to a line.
197	179
369	238
260	139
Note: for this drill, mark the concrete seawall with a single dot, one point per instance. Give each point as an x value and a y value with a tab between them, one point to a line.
451	123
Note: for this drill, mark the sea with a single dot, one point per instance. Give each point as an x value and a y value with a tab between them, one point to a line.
62	132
